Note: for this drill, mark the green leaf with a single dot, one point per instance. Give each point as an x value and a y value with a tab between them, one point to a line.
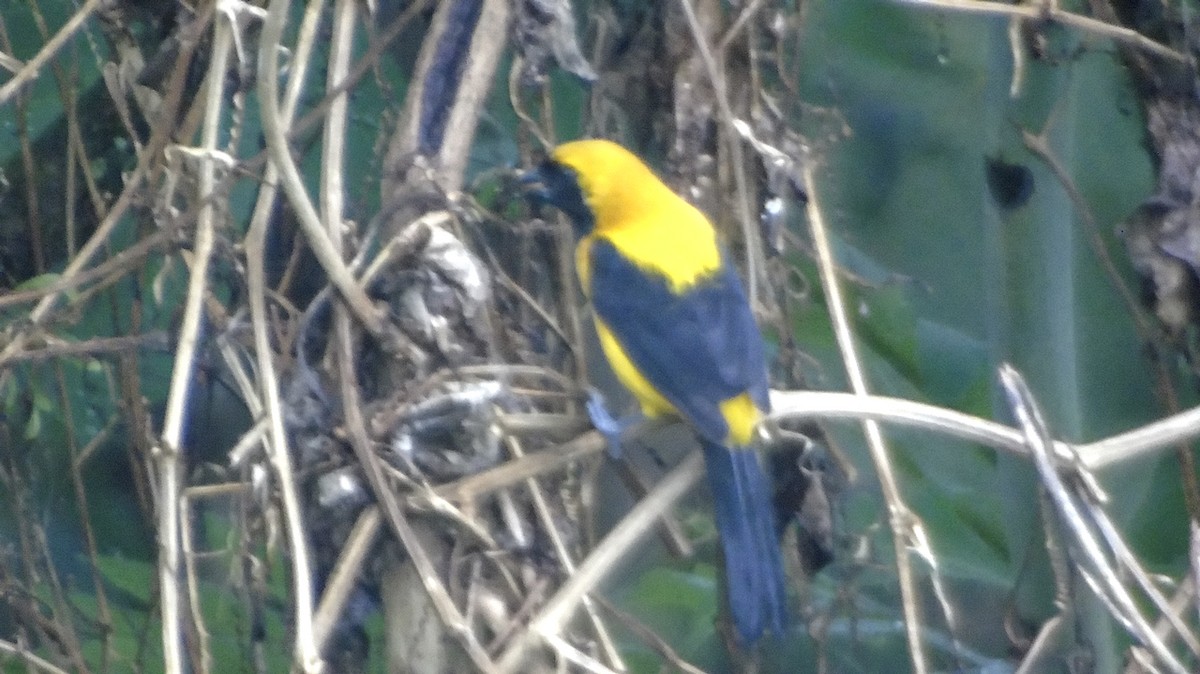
33	426
39	282
884	319
42	402
132	576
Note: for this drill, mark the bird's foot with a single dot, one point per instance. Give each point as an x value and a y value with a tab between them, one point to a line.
609	426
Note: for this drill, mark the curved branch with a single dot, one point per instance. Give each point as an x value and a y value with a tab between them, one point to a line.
293	184
1033	12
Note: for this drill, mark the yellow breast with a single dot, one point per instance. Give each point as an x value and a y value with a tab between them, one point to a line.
677	244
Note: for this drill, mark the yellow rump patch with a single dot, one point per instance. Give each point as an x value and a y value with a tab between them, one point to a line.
739	412
742	415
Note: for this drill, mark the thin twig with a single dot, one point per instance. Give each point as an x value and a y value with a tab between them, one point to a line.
1016	45
1131	567
750	233
305	648
146	168
531	465
603	560
293	183
1190	584
548	521
570	653
12	65
333	142
1182	605
514	100
1046	646
33	66
171	447
1092	560
97	346
1143	441
900	518
67	637
1031	12
332	196
651	637
362	67
331	204
202	635
453	620
29	658
125	259
29	166
1039	145
806	405
738	24
341	582
103	615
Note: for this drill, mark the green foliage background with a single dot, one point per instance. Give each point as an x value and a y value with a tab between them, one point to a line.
904	108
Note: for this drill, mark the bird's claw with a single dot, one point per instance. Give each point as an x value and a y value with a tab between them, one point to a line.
606	424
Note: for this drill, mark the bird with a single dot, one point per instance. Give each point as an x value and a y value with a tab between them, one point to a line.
677	329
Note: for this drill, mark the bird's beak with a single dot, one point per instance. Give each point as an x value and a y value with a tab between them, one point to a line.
533	185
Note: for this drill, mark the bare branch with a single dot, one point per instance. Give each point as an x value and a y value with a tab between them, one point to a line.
32	68
900	518
1032	12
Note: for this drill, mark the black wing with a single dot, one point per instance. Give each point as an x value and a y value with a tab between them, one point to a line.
698	348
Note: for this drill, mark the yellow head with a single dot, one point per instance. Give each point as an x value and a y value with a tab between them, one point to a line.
609	193
614	183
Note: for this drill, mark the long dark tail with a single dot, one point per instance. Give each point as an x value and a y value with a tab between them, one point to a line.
753	566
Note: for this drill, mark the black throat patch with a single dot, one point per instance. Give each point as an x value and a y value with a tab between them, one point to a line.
559	187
